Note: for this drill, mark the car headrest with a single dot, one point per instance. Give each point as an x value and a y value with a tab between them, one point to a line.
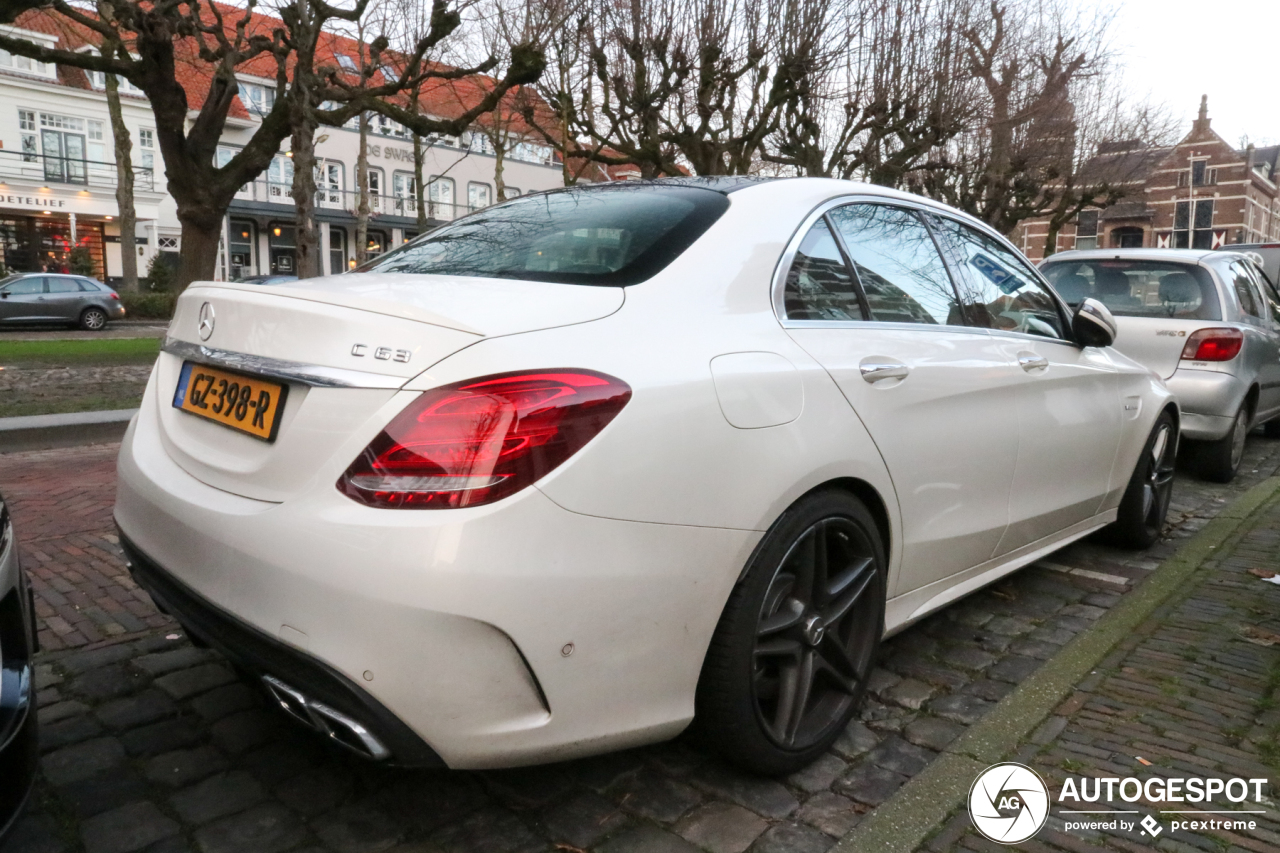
1111	282
1073	287
1179	287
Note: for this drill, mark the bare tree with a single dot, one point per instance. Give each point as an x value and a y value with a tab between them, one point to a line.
123	147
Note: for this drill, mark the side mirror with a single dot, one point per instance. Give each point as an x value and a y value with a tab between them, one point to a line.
1093	324
4	294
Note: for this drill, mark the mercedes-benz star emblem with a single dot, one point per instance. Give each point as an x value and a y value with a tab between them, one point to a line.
206	321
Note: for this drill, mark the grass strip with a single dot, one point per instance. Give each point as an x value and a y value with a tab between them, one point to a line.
79	352
923	805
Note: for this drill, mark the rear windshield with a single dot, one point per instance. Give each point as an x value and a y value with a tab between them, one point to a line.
610	236
1133	288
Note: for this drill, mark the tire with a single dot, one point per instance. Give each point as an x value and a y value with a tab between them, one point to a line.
1146	500
93	319
789	660
1218	461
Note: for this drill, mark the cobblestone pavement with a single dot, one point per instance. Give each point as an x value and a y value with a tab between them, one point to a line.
1194	693
151	744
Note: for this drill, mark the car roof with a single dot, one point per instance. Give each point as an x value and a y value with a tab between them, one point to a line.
1184	255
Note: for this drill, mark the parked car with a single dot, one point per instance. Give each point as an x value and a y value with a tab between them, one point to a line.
1267	253
565	474
19	752
268	279
1206	322
58	298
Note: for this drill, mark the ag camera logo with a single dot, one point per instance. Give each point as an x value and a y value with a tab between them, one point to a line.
1009	803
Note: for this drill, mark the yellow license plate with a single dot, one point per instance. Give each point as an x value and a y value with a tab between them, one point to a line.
245	403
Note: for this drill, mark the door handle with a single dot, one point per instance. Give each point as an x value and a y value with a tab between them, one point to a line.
876	369
1029	361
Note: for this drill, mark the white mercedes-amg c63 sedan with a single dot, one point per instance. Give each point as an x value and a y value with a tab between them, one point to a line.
577	470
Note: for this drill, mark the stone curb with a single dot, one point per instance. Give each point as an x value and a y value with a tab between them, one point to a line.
923	805
44	432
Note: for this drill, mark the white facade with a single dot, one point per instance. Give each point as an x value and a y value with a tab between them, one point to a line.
58	179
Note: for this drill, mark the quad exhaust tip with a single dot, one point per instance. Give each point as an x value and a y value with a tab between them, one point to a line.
319	717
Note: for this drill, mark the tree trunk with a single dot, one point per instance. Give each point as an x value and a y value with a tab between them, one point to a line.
419	160
307	239
362	181
201	234
499	155
124	188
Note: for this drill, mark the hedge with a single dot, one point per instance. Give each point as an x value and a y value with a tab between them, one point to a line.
149	305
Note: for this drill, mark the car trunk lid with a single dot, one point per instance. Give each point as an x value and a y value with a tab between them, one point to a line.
343	346
1156	343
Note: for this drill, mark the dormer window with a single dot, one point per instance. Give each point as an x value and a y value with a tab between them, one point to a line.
98	80
257	99
347	62
26	65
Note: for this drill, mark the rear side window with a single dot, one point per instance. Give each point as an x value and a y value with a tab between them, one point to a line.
898	265
609	236
63	285
1136	288
819	286
1243	284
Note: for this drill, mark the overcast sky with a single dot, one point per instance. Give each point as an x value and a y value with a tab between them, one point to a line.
1229	50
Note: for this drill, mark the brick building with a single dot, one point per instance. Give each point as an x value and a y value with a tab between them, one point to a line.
1201	193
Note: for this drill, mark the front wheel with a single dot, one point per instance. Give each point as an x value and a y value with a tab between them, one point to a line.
790	657
93	319
1219	460
1146	500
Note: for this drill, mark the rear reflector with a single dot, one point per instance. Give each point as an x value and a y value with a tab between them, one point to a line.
478	441
1213	345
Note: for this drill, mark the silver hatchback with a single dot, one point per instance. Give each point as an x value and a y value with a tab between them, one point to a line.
1206	322
41	297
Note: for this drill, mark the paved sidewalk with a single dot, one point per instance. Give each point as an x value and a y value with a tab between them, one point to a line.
151	744
1195	692
114	329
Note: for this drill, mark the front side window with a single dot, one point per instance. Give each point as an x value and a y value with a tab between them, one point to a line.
25	287
997	288
1135	288
819	285
898	265
607	236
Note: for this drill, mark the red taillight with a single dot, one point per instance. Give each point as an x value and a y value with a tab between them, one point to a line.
1213	345
479	441
115	296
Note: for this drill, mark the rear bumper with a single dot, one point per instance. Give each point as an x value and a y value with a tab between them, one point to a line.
265	656
1209	401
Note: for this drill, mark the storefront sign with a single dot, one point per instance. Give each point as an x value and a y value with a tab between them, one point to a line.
32	202
389	153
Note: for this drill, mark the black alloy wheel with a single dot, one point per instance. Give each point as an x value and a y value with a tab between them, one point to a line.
1146	500
794	648
93	319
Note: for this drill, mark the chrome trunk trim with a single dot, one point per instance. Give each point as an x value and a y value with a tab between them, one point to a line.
315	375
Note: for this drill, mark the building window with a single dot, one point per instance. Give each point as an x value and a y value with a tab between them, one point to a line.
147	148
241	244
347	62
26	64
404	188
329	182
479	143
1087	229
511	192
280	178
169	244
479	195
440	196
1129	237
337	250
97	142
62	141
375	243
98	80
27	122
257	99
1193	230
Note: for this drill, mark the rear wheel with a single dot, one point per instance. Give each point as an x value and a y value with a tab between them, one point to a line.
1146	501
1218	461
93	319
789	660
